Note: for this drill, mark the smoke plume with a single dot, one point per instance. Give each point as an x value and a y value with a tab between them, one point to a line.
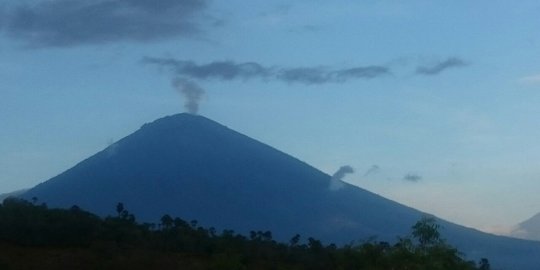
452	62
230	70
412	177
372	170
192	93
336	182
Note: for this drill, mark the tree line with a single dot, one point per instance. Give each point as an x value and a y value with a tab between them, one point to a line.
33	236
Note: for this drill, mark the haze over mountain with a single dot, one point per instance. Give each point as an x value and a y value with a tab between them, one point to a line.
12	194
528	229
191	167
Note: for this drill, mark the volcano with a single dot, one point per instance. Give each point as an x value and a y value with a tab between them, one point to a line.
189	166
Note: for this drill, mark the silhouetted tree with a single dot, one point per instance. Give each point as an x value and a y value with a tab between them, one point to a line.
426	231
167	221
294	240
484	264
120	208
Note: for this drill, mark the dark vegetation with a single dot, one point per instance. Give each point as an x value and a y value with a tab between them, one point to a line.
35	237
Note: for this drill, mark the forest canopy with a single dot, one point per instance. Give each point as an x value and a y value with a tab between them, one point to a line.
34	236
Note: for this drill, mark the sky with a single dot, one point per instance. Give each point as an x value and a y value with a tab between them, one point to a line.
434	104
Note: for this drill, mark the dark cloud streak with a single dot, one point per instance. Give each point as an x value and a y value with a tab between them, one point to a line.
229	70
361	72
412	177
221	70
441	66
304	75
2	17
372	170
66	23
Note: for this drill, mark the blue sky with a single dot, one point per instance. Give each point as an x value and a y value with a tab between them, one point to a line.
435	104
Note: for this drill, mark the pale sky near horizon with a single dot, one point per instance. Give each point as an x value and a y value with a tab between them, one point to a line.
434	103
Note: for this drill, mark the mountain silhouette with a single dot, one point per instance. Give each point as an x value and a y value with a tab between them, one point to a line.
194	168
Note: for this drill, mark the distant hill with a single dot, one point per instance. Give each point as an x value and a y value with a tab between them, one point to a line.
12	194
195	168
528	229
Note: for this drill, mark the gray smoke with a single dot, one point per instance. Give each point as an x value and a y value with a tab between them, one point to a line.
336	182
412	177
230	70
439	67
191	92
372	170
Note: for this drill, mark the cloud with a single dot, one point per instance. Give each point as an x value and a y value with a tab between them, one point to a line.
336	182
224	70
191	92
305	29
311	75
112	149
372	170
361	72
230	70
2	15
322	75
412	177
530	80
452	62
66	23
278	10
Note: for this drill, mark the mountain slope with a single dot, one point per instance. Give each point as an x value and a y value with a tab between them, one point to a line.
194	168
